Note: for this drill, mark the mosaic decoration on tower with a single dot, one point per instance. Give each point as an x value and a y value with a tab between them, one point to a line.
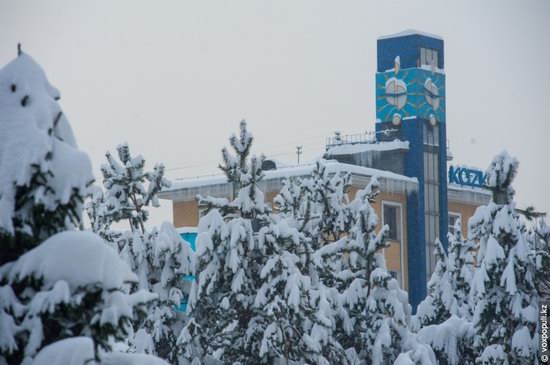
410	92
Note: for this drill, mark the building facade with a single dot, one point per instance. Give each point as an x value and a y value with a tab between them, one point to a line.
421	196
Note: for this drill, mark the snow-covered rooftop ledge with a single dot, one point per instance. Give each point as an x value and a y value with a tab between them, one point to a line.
468	195
346	149
182	230
291	171
391	182
408	32
468	188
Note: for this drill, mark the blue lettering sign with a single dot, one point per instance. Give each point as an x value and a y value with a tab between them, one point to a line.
466	177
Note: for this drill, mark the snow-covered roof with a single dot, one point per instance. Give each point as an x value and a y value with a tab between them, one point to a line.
216	185
346	149
410	32
292	171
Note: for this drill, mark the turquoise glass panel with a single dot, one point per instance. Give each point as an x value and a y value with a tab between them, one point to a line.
425	94
190	237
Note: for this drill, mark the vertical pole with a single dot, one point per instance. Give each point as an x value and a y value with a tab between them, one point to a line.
298	152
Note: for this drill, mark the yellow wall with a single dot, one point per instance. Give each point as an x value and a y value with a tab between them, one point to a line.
186	214
465	211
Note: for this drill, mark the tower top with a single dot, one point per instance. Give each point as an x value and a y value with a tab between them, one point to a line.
414	48
408	32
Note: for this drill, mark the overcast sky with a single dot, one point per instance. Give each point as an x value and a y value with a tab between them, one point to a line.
174	78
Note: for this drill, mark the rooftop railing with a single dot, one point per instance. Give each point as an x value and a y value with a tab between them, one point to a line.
369	137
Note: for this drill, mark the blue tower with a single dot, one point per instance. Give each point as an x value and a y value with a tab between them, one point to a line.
410	106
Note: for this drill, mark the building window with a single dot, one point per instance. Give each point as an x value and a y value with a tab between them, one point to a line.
392	217
428	56
431	168
453	218
431	200
431	135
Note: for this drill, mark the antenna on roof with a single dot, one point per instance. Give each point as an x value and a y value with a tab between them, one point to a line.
19	49
298	152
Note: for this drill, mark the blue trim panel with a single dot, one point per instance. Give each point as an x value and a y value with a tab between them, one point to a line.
412	130
443	194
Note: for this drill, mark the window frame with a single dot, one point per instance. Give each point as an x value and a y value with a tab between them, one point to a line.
429	56
453	214
399	205
422	55
399	218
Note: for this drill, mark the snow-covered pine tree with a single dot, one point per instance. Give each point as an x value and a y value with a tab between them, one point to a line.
228	262
387	315
306	204
319	203
159	257
253	294
69	285
235	166
126	196
320	209
293	320
330	194
504	285
100	222
298	205
330	252
343	264
39	194
65	284
461	265
294	205
290	200
440	303
373	315
452	340
377	307
172	259
443	319
80	350
250	199
539	239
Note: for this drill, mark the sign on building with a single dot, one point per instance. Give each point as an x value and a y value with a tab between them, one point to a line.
465	176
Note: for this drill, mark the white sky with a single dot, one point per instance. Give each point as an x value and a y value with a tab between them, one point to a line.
174	78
